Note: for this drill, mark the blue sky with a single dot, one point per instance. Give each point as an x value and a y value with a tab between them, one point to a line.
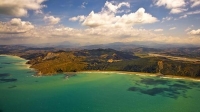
99	21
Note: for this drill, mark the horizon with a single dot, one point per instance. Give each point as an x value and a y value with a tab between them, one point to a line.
93	22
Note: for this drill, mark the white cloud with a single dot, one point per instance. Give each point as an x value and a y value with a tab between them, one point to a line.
15	21
106	26
38	12
11	34
167	19
114	8
83	4
195	3
184	16
80	18
15	26
187	29
52	20
176	6
170	4
108	17
173	28
23	25
194	32
158	30
19	8
177	10
193	12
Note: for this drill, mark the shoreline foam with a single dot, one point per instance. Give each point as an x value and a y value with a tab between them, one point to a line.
18	57
146	74
14	56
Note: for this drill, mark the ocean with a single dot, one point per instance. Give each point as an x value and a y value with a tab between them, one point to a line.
21	91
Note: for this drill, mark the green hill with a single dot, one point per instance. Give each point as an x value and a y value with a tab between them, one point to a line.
58	62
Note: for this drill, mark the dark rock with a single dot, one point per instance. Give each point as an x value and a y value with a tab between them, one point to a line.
3	75
8	80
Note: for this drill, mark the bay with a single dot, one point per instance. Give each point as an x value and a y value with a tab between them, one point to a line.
21	91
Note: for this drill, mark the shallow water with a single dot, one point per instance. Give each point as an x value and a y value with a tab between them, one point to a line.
92	92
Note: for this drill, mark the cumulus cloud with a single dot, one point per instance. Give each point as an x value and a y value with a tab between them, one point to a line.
15	26
108	17
158	30
15	21
19	8
113	8
194	32
173	28
52	20
106	26
54	34
176	6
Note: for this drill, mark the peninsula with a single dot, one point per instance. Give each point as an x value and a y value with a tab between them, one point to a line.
49	61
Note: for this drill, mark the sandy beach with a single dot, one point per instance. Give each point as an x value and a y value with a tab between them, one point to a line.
145	74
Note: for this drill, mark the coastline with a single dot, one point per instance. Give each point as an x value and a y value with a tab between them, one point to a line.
18	57
146	74
14	56
119	72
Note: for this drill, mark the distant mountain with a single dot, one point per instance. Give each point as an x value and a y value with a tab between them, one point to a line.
116	45
137	44
105	54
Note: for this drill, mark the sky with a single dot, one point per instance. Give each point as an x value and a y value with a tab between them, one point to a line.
87	22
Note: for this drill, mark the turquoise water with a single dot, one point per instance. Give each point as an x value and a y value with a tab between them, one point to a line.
92	92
